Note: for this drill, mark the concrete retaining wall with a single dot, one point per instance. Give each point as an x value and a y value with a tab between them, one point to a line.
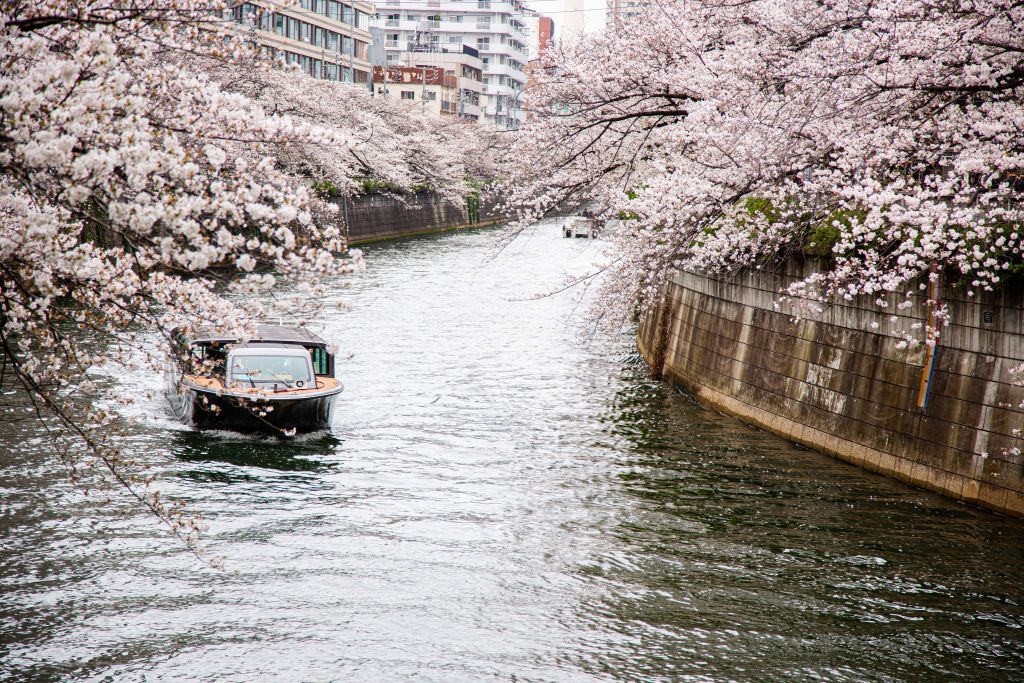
839	385
374	217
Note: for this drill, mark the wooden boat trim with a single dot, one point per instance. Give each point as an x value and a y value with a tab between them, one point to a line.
325	386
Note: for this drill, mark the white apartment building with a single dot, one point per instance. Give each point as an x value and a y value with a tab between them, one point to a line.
495	28
327	38
623	9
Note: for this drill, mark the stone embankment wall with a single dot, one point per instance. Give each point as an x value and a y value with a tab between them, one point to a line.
839	385
375	217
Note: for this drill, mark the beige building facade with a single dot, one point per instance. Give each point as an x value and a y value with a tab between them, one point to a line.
443	82
328	39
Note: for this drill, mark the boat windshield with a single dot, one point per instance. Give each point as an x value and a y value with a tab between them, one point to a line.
269	369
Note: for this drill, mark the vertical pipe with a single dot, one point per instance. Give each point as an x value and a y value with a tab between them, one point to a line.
928	371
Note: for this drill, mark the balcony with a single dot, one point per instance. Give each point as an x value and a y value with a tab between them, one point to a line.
495	69
493	89
507	50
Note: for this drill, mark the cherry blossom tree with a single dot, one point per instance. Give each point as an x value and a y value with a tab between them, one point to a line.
155	173
886	134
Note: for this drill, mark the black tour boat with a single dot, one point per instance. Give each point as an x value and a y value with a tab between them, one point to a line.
280	381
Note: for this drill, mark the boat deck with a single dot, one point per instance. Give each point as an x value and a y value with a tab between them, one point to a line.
215	384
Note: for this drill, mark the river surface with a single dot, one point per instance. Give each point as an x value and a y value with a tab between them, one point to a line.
504	497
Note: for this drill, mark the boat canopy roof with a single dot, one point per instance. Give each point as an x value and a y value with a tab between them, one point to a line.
275	334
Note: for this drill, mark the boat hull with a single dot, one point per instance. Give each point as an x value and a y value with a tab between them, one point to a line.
266	414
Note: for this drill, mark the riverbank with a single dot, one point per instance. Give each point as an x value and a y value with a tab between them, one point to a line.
376	217
838	386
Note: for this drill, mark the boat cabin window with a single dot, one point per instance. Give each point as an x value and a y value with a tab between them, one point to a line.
206	359
321	363
254	370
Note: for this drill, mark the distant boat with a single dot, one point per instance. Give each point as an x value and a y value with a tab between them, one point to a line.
281	381
579	226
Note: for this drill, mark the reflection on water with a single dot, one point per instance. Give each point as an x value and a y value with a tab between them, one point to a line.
303	454
501	498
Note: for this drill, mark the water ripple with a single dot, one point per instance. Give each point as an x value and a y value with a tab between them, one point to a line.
501	497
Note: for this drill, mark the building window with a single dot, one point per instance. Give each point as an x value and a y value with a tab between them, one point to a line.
430	96
408	95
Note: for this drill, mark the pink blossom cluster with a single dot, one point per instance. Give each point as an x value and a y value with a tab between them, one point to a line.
885	135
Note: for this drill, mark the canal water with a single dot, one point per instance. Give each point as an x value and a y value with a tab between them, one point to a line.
505	496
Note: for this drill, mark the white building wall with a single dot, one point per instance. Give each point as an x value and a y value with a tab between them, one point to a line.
573	19
494	27
623	9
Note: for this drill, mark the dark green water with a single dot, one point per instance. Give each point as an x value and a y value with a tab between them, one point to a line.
501	499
